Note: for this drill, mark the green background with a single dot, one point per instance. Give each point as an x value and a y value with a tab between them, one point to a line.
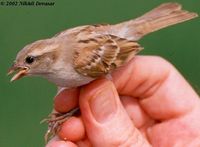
24	103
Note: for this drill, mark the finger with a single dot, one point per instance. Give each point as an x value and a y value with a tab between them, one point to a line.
84	143
56	142
66	100
106	121
72	130
162	92
139	117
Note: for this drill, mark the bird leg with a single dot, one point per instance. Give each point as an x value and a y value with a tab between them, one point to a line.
55	120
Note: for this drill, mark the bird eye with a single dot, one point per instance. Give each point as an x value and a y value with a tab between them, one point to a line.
30	59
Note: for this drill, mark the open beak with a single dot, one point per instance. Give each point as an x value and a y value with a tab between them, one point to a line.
20	72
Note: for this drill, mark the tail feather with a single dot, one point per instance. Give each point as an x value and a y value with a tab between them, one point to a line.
163	16
163	10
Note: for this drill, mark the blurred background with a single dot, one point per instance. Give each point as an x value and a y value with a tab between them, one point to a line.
26	102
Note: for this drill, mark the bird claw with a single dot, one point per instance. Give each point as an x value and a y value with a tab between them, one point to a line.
55	120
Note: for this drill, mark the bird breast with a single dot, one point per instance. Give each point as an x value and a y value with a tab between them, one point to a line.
66	76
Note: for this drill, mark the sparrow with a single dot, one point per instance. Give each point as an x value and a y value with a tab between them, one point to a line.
80	55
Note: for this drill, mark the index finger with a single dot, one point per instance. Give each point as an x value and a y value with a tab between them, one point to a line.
162	92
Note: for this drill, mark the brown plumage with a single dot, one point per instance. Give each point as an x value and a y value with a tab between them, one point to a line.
100	55
79	55
165	15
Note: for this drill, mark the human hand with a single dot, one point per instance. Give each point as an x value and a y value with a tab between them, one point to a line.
156	107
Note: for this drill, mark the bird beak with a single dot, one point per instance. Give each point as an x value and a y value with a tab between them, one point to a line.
21	72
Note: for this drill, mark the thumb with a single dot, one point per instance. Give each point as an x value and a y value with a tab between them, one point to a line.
106	121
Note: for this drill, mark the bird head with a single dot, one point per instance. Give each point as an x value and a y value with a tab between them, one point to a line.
35	59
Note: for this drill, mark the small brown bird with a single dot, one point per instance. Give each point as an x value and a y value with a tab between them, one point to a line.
79	55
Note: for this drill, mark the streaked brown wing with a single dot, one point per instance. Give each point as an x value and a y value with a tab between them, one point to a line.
99	55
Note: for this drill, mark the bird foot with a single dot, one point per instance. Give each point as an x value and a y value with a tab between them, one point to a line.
55	120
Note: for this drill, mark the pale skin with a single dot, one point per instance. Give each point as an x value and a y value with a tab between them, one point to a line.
156	107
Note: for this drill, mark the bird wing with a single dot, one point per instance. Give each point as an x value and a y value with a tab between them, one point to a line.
101	54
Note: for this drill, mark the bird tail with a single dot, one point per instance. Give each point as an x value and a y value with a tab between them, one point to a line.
165	15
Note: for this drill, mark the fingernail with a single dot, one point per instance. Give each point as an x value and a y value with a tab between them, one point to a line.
102	103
